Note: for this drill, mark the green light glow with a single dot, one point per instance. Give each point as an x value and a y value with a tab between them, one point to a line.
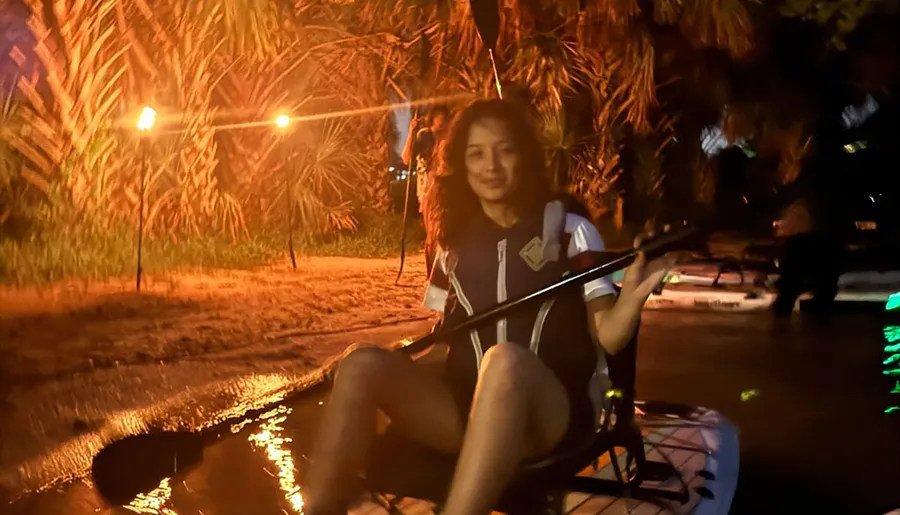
893	302
891	333
892	349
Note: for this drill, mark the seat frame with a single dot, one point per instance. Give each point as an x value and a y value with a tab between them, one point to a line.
399	469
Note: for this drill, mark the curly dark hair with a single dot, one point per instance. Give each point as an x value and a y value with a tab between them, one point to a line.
450	204
436	110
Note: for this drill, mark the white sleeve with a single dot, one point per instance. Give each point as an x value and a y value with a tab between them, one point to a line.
585	239
438	284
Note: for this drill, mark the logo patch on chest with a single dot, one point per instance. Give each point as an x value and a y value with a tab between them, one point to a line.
533	254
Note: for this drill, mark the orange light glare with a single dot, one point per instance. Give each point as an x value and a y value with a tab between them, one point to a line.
282	121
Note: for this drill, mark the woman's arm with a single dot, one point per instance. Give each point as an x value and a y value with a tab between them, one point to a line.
614	321
613	318
436	294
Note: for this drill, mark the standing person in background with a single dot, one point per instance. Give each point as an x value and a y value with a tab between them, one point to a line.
811	229
419	154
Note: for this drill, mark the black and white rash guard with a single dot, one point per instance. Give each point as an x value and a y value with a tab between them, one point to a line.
495	264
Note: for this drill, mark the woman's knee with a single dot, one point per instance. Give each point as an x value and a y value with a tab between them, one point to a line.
506	362
514	374
361	364
507	354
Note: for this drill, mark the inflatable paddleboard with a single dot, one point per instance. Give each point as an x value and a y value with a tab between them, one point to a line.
705	275
690	286
714	300
710	299
703	446
873	281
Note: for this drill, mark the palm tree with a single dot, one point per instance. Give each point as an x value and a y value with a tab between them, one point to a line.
613	83
595	71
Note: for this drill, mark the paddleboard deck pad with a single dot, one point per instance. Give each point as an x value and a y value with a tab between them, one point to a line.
700	443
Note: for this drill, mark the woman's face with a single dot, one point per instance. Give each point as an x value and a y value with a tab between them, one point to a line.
492	160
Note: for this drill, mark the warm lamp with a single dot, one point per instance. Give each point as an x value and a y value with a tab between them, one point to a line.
146	120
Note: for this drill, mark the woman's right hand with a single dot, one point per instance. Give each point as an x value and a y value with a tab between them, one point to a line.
643	277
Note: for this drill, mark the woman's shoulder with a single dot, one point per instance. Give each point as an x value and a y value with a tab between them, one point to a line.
572	205
583	234
567	214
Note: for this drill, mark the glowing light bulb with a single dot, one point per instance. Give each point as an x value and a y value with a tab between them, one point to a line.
146	119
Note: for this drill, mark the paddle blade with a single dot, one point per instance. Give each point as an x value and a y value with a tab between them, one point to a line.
487	21
137	464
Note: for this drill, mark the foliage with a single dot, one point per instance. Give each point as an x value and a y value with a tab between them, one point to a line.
56	255
820	57
70	90
604	76
604	58
86	68
839	17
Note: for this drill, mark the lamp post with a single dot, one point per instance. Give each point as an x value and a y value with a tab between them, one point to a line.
144	126
282	122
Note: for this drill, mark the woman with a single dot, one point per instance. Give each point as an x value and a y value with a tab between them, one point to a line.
499	404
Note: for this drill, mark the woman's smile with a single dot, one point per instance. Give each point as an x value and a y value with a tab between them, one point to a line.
493	181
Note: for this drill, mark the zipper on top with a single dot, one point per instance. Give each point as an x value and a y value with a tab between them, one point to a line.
501	288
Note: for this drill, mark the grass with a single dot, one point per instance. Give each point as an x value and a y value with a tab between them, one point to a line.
57	255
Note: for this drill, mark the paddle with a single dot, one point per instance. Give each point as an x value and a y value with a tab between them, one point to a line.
137	464
486	14
615	261
424	58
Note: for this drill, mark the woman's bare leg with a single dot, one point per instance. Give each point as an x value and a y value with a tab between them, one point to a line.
369	379
520	410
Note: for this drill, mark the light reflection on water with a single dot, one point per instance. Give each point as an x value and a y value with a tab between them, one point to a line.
270	440
198	409
153	502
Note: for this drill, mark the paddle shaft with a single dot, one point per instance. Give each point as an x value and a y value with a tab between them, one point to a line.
409	177
616	262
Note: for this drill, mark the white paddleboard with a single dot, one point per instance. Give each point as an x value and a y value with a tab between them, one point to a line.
870	280
689	286
710	299
703	447
705	275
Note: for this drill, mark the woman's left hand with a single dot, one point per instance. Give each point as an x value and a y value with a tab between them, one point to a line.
642	277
